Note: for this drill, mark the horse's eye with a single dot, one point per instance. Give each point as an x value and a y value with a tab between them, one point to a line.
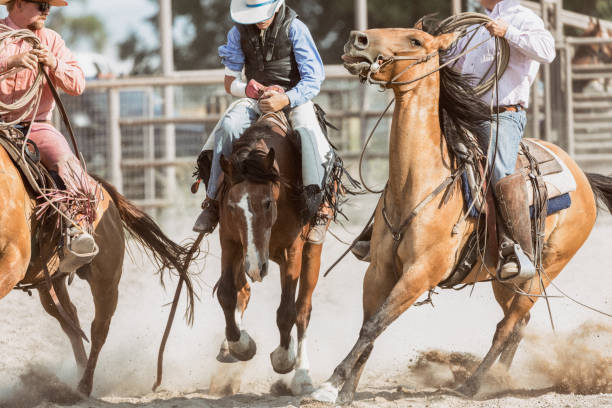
415	42
267	204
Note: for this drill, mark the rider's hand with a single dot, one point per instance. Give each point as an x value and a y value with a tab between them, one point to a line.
497	28
45	56
27	60
272	101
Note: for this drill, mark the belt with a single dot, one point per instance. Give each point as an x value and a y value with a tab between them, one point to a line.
509	108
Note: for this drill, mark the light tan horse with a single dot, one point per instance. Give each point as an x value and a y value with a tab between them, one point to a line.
20	261
426	252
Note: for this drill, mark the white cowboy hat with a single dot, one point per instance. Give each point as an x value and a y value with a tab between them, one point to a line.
55	3
253	11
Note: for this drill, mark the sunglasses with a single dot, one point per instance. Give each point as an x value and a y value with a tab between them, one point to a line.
42	7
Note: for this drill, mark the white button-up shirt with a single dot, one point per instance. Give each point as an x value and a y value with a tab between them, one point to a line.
530	44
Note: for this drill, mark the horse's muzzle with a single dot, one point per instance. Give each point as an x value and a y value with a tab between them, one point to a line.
258	273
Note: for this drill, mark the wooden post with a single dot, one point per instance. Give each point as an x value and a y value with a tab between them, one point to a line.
165	29
569	102
456	6
361	15
115	139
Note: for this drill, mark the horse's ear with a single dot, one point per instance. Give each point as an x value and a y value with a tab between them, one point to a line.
419	24
444	41
225	165
270	158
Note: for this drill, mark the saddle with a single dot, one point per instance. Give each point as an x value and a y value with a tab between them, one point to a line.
549	182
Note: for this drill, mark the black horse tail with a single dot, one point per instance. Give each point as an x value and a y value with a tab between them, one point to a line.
166	253
602	188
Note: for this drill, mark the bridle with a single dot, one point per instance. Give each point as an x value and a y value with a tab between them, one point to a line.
376	66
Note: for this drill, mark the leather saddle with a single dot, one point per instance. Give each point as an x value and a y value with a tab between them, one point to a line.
546	176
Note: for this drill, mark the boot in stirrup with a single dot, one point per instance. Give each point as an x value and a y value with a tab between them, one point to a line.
515	238
319	224
209	218
361	249
79	249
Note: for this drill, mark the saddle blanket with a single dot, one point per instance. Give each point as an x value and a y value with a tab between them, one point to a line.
558	186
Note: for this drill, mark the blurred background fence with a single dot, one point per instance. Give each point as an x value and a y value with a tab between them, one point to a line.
144	133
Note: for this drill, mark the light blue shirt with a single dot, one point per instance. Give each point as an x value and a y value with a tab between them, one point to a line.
307	57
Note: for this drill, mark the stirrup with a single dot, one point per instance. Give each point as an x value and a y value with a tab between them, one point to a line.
526	268
73	260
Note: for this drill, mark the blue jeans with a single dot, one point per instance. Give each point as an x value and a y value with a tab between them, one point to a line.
511	129
316	150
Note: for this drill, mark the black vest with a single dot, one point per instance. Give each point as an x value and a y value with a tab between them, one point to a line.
271	61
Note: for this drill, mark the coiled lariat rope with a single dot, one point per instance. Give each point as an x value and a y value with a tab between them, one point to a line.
30	100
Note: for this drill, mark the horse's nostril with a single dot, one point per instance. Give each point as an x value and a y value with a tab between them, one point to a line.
264	269
361	40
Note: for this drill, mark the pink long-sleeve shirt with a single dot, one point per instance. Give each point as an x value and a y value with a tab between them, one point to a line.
67	76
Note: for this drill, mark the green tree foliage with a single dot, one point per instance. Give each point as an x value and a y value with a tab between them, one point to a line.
201	26
85	31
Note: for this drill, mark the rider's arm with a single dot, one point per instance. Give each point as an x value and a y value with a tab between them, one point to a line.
532	39
67	74
309	64
233	58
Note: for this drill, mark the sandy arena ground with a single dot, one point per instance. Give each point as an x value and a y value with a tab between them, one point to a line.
412	363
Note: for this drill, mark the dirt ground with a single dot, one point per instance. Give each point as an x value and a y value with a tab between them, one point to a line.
415	363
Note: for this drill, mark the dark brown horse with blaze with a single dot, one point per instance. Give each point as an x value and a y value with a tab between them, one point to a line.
21	259
261	219
405	266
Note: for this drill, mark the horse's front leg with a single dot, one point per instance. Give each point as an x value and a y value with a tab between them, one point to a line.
311	262
239	344
284	357
413	282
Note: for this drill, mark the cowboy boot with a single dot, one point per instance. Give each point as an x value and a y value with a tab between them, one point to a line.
79	249
515	239
361	248
319	224
209	218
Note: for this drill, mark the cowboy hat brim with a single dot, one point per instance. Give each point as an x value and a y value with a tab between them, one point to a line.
244	14
54	3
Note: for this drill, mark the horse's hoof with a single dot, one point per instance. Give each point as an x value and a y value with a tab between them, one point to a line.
224	355
301	384
469	389
244	349
283	360
85	388
345	398
325	393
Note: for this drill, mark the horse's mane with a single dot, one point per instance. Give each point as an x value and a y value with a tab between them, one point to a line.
248	161
463	114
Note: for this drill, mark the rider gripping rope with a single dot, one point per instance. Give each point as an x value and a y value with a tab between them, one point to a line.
283	71
21	57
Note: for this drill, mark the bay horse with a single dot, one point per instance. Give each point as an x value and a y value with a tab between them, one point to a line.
260	220
407	264
592	54
21	259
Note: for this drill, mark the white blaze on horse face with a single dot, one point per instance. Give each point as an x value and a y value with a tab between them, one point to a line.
252	257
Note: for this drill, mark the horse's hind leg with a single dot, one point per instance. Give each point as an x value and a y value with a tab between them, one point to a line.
508	333
47	302
284	357
311	263
504	296
104	283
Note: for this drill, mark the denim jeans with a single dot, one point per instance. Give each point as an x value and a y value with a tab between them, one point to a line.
511	129
242	114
